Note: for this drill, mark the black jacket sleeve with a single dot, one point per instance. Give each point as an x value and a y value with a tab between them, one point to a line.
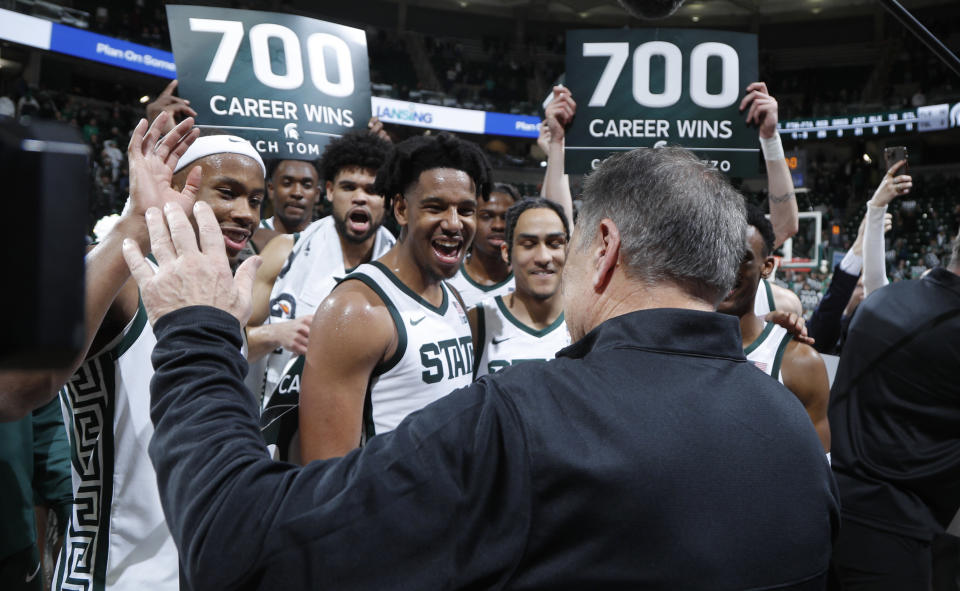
824	325
442	501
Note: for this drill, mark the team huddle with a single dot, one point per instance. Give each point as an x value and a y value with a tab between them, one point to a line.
353	329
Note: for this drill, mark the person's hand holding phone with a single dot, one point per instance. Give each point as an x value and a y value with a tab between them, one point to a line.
892	185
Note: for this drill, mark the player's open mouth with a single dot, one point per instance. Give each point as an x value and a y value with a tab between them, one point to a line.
235	238
358	221
447	249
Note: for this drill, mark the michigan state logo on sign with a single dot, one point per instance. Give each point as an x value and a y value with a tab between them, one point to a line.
286	83
656	87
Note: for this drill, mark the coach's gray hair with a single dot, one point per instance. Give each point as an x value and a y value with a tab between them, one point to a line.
679	219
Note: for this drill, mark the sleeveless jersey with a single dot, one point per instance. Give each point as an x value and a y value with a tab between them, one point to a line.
434	357
507	341
473	293
267	224
766	352
313	269
434	353
117	537
763	303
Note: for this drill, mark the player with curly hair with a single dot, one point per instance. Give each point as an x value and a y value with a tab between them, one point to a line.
393	337
301	269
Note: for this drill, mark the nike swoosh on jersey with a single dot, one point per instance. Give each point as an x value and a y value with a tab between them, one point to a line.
497	342
417	321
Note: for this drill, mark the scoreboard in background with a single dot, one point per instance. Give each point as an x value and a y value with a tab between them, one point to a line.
797	163
928	118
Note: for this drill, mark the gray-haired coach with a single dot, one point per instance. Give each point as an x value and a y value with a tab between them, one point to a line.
649	455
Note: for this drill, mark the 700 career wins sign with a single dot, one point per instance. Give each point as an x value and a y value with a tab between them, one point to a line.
654	87
287	83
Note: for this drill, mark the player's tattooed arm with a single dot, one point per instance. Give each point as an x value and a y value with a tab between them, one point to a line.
783	198
762	110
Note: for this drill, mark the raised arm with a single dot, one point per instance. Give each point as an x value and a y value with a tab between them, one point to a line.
354	333
763	112
175	107
556	184
874	262
805	374
105	271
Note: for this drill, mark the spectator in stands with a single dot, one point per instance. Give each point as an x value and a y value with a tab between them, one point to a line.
7	107
91	131
27	105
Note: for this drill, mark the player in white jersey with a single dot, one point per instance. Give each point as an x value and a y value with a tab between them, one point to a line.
797	365
767	350
359	331
116	537
484	273
434	355
528	324
299	270
293	187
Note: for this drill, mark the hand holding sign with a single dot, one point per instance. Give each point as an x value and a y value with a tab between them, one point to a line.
175	106
559	114
763	109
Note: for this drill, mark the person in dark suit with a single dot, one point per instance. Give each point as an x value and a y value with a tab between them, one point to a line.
895	419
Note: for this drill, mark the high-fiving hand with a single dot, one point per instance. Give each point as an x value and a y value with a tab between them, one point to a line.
152	162
188	274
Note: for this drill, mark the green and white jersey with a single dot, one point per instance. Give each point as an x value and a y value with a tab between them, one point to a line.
506	341
766	352
763	303
313	269
434	353
434	357
473	293
267	224
117	537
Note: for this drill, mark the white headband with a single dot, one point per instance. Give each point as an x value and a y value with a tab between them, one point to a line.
219	144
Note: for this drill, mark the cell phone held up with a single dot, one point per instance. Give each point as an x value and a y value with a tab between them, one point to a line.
894	154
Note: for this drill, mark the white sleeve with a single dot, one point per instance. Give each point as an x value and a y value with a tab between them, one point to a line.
874	263
851	263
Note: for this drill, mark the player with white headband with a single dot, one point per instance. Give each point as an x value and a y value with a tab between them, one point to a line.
117	537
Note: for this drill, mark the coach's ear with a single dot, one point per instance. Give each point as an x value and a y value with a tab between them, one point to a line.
606	254
400	209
